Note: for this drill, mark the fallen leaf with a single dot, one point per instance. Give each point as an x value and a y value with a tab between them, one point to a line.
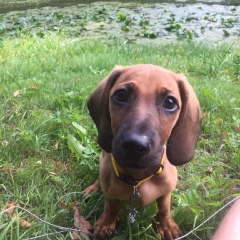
33	86
59	164
81	224
12	210
64	205
218	121
15	94
5	143
224	133
210	169
53	173
206	114
25	224
57	145
68	205
12	213
18	92
206	136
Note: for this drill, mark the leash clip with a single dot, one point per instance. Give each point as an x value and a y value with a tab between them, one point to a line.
134	199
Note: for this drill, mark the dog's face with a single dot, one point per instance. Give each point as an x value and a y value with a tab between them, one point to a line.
144	106
137	109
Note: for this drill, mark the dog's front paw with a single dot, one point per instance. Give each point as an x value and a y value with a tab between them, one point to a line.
168	229
92	188
105	226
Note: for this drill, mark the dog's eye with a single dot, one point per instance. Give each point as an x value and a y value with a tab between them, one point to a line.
170	104
120	96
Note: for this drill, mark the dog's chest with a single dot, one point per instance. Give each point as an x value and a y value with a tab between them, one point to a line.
143	195
150	190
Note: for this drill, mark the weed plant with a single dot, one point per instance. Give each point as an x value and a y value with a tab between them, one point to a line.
48	144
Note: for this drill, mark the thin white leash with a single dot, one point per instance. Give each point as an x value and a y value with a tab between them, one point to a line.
219	210
64	229
41	220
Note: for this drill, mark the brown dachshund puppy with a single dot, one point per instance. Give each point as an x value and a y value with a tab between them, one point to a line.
148	120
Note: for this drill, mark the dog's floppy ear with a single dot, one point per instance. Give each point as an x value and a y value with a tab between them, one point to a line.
182	142
98	106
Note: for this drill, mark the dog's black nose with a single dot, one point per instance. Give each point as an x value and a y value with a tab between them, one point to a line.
136	145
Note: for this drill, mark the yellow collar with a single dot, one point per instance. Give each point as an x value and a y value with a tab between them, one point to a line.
130	180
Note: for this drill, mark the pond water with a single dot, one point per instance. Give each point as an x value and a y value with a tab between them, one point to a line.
12	5
129	21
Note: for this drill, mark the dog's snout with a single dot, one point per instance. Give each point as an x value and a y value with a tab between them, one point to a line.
136	145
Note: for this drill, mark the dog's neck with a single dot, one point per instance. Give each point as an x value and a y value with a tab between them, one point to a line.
129	179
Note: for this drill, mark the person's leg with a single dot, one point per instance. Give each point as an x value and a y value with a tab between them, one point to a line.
229	228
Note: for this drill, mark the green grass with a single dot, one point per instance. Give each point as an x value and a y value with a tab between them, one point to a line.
54	76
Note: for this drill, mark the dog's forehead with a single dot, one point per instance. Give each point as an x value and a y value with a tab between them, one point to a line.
148	78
